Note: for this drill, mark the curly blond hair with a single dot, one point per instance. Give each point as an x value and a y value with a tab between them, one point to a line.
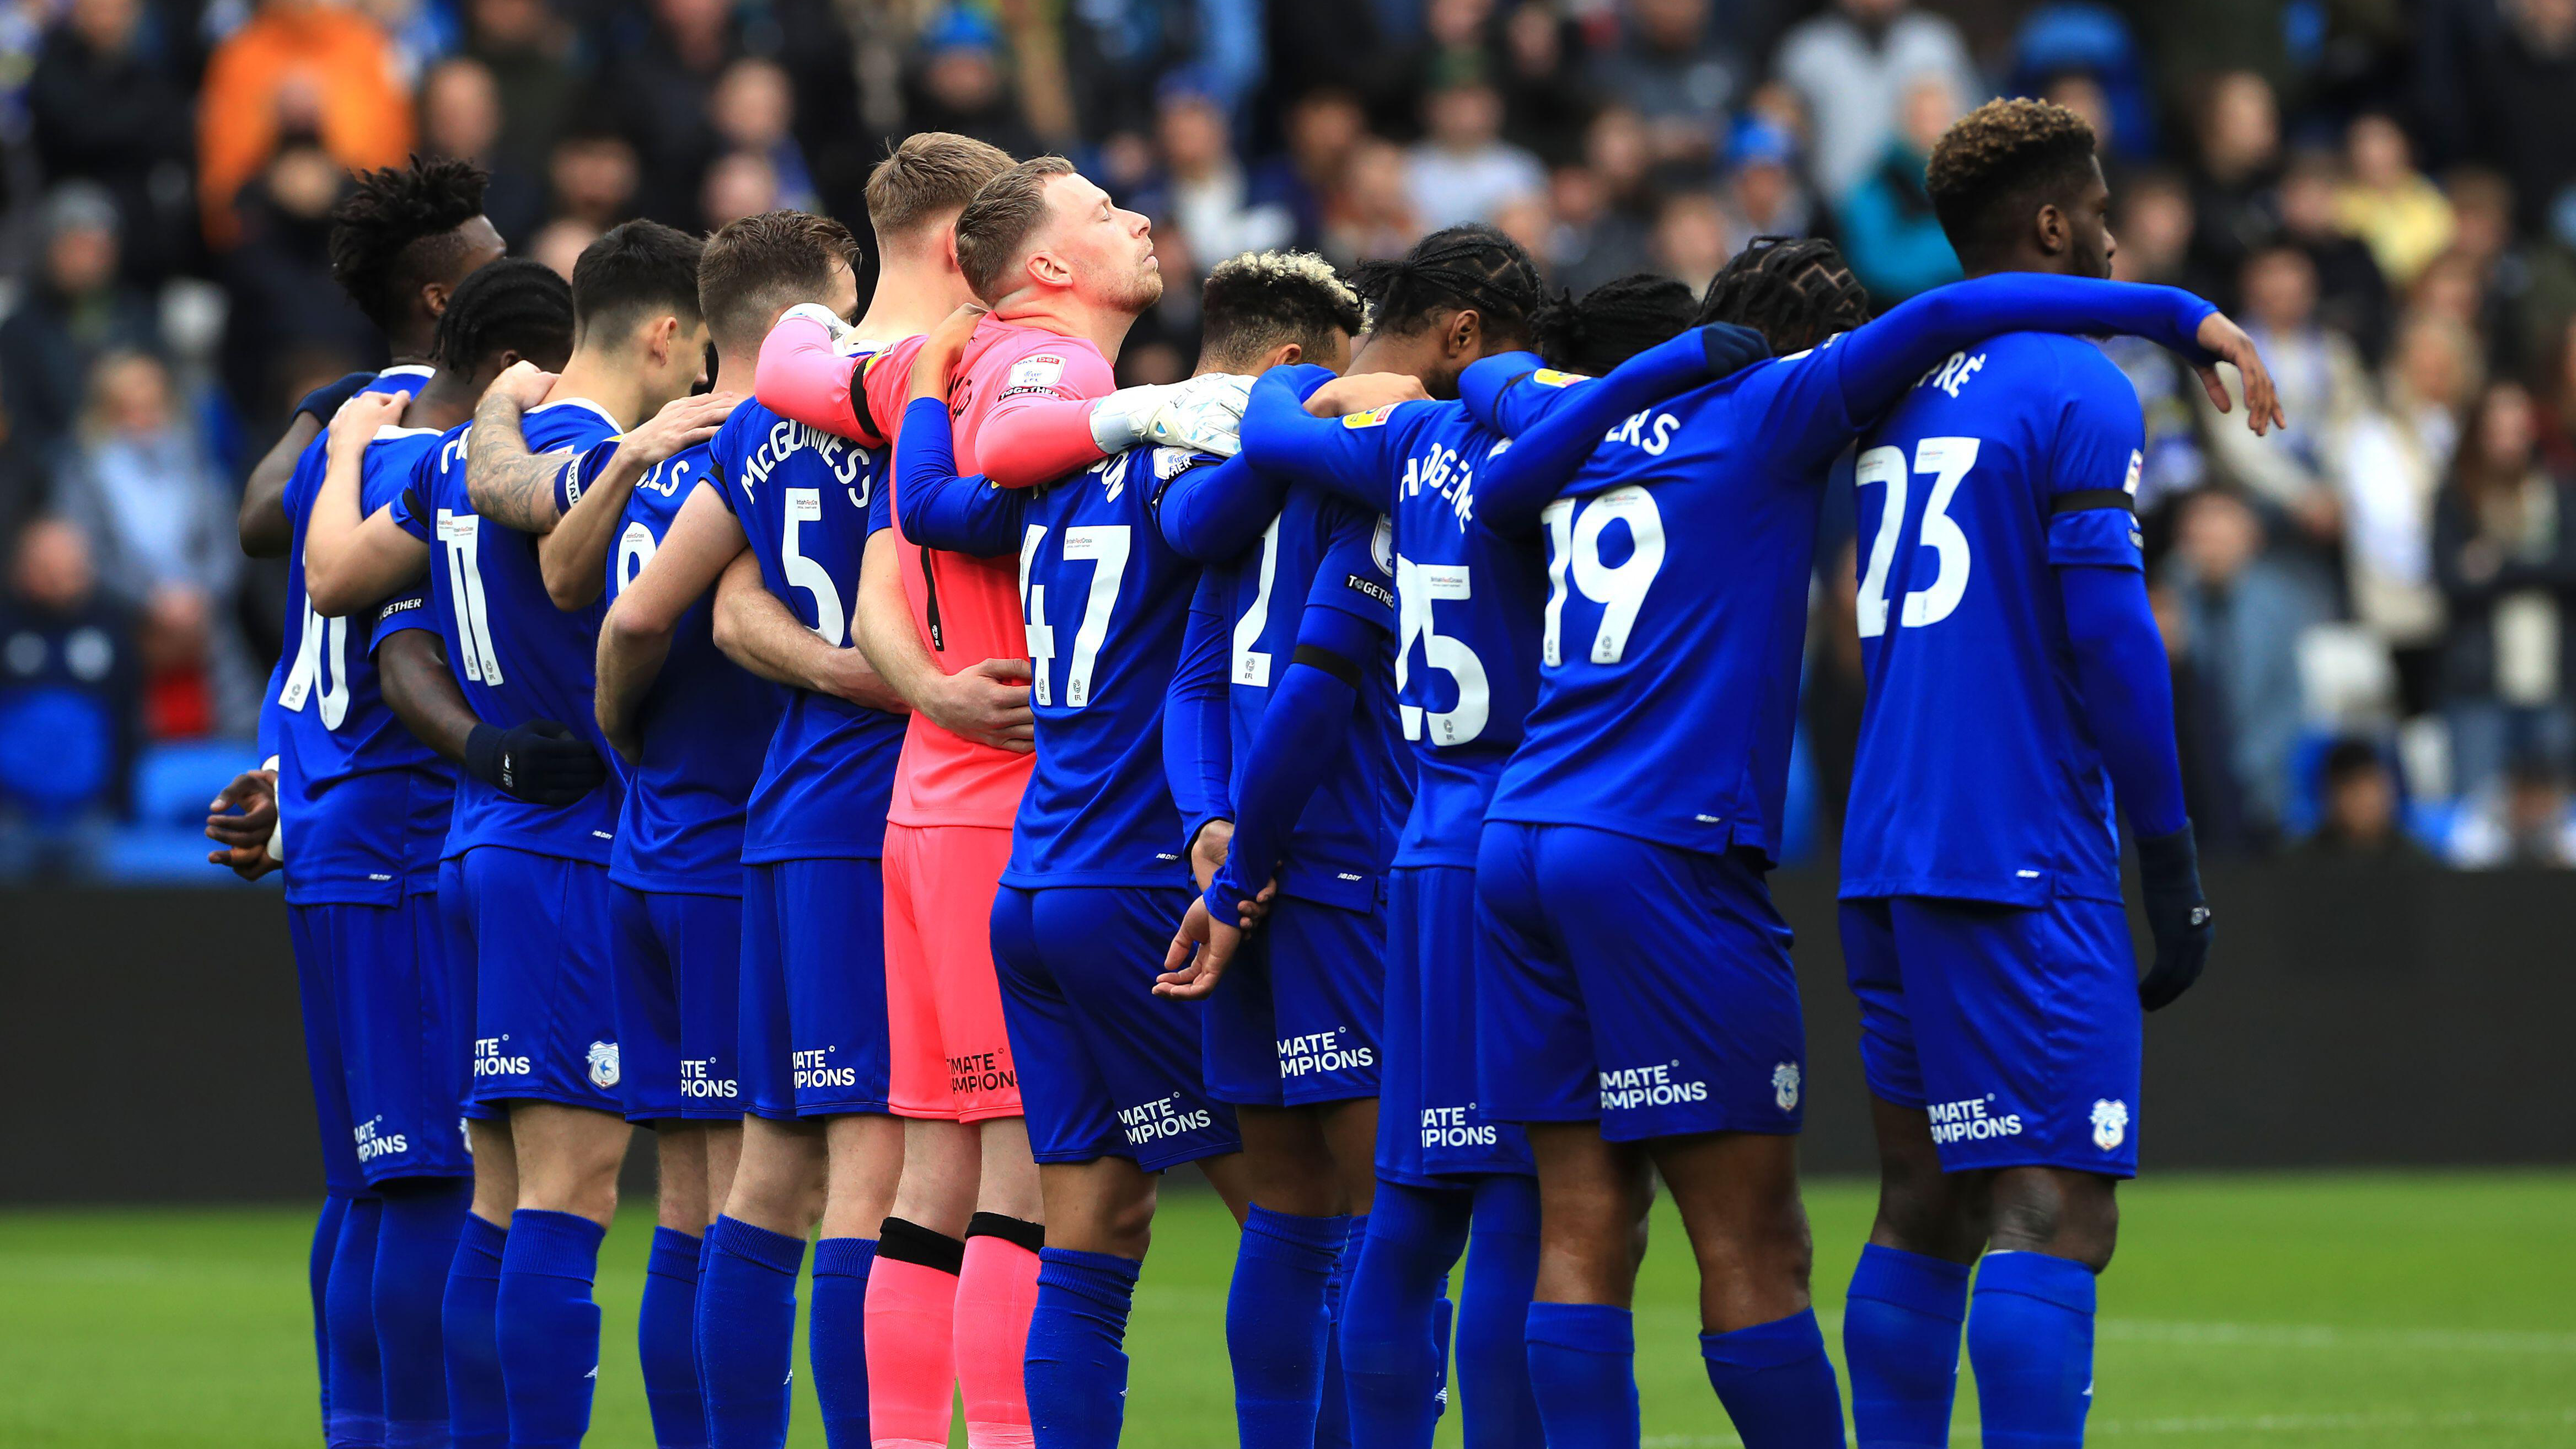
2001	160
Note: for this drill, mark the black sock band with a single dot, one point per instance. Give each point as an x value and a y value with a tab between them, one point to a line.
1029	1235
902	1242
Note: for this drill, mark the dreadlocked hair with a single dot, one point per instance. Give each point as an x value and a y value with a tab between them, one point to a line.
395	232
515	305
1456	268
1795	291
1612	323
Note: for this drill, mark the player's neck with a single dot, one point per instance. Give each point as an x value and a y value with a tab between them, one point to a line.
2057	266
1070	316
606	380
734	370
443	402
912	297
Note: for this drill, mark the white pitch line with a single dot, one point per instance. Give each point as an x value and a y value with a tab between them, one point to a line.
2392	1420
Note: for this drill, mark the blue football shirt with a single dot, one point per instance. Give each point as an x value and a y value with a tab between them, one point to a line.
1977	777
705	724
364	805
516	656
807	501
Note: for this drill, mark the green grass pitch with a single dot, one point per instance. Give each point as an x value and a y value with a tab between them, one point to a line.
2265	1311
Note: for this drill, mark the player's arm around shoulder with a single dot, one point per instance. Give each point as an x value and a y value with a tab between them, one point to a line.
353	558
592	492
636	636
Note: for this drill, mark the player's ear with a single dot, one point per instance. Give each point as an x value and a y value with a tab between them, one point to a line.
433	297
1048	269
2050	229
1286	354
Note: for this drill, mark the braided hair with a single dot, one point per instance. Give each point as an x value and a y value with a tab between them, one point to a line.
396	231
1455	269
1795	291
1612	323
514	305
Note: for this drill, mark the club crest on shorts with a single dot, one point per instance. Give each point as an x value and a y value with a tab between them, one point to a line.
603	1064
2110	1124
1784	1086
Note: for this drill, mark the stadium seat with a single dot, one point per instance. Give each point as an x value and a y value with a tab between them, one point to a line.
173	780
162	855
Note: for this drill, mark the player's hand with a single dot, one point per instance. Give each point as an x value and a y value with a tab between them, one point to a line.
2262	401
523	383
1207	853
1203	415
354	426
682	423
240	820
987	703
942	349
1731	348
541	762
1363	391
2177	916
1198	956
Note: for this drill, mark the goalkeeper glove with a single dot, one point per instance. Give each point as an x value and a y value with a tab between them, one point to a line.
540	762
1204	415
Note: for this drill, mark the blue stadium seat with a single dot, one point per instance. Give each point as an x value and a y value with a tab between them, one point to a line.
162	855
174	780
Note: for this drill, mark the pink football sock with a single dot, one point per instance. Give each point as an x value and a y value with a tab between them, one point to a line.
911	1316
996	1292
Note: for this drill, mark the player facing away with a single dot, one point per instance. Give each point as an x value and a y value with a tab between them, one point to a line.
1469	595
2017	687
777	532
401	241
956	1270
1643	1010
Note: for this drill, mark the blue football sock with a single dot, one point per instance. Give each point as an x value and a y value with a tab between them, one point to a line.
1077	1374
747	1332
478	1411
666	1340
2030	1340
1333	1409
1275	1320
837	1338
1583	1373
317	1272
547	1326
1391	1363
1901	1341
415	1249
1776	1383
1493	1335
356	1418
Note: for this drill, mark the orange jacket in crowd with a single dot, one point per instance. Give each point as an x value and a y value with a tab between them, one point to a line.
320	56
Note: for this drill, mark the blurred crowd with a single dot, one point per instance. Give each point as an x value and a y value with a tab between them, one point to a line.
2370	618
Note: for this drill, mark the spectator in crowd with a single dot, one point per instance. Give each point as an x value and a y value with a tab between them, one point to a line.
959	86
2233	205
2558	410
2391	206
1893	241
2244	613
1850	66
1763	195
658	93
528	49
1202	192
460	117
1545	102
753	111
2504	551
1323	127
2520	822
2359	824
103	111
1372	215
290	323
1670	66
2507	95
2352	293
1464	170
2394	460
2323	387
1589	241
2153	222
142	488
1690	239
74	312
559	243
297	67
739	184
592	174
68	703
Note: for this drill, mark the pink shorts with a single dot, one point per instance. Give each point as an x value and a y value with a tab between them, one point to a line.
950	1055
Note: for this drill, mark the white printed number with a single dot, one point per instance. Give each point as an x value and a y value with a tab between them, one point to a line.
1948	461
322	662
1574	530
462	536
804	506
1252	666
1417	587
1107	545
634	550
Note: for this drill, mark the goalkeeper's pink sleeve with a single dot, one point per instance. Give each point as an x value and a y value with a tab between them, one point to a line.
800	377
1035	438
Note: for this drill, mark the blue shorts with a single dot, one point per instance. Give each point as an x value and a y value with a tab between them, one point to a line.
1298	1016
545	1003
1107	1068
2016	1029
813	988
402	1037
1431	1121
318	1005
679	969
456	929
1644	986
